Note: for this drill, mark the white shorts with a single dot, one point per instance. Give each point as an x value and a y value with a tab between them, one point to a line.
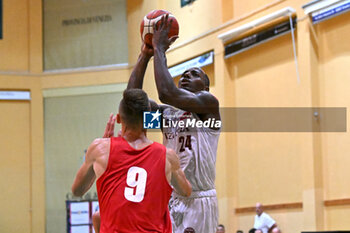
199	211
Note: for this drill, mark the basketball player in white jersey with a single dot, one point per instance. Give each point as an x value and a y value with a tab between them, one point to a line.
197	147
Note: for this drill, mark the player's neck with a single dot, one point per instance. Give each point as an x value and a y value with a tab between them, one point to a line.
138	143
135	137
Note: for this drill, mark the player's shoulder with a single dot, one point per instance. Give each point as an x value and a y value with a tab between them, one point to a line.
170	151
99	144
171	154
100	141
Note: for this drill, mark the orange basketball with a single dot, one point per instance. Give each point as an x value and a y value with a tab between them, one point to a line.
152	18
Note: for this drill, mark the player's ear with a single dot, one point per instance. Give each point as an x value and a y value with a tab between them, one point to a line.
119	120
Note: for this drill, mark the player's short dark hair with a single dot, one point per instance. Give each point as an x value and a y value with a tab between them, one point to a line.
132	106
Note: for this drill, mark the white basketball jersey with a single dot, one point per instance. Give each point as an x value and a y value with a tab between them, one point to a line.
196	147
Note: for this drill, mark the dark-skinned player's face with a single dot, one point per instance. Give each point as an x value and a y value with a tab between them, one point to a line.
192	80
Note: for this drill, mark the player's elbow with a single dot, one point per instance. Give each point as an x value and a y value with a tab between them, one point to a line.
188	191
188	194
77	191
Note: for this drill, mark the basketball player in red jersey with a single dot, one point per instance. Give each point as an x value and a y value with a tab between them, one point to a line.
197	148
133	173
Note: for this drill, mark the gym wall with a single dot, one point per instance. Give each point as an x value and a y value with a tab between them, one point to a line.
14	45
334	87
272	168
21	133
84	33
74	117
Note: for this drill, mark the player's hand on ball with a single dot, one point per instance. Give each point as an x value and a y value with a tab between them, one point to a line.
160	35
147	50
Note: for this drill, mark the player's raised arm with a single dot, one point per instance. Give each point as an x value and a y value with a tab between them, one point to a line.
138	73
192	94
178	179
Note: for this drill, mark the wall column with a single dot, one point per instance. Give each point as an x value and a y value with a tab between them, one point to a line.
312	162
35	36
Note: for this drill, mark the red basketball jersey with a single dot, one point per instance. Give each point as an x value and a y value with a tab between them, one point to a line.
133	192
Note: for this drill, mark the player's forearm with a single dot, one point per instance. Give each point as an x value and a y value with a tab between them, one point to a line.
138	73
83	181
181	184
164	82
